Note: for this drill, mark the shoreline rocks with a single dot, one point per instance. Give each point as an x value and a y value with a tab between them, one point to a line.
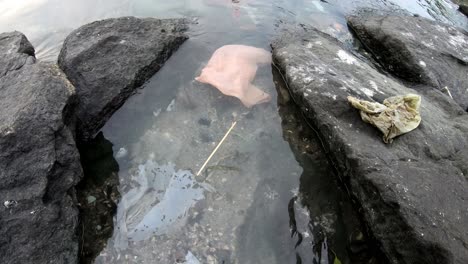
42	114
107	60
418	50
412	192
39	162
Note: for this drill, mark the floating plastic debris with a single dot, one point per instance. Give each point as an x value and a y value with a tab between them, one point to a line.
231	70
158	204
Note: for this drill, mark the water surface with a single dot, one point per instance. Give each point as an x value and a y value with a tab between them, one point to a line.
268	195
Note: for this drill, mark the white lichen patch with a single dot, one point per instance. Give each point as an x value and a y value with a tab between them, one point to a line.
422	63
408	35
319	69
308	79
458	41
374	86
441	28
330	95
428	44
347	58
344	88
318	42
367	91
298	72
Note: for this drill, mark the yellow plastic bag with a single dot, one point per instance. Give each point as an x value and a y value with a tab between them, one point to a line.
396	116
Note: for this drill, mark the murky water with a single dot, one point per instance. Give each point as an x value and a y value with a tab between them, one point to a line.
267	196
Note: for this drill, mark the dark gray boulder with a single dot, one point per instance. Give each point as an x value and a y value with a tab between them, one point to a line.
464	9
413	192
418	50
107	60
39	162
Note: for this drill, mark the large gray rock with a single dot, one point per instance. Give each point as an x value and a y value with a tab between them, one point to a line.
39	163
413	192
107	60
418	50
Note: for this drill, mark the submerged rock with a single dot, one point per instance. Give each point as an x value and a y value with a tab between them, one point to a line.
418	50
107	60
39	163
413	192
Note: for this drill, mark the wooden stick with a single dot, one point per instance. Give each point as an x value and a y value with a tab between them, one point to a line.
216	149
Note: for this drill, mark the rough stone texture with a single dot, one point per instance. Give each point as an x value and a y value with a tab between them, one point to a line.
413	192
39	163
107	60
418	50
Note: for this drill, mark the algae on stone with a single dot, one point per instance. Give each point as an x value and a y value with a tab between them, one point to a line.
396	116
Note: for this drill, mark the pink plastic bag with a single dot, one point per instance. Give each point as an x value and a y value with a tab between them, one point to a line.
232	69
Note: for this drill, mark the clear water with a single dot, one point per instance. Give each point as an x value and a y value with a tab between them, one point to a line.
239	209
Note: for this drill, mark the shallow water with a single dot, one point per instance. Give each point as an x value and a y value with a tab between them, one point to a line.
269	194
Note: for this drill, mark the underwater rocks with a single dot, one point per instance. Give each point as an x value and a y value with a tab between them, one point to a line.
418	50
412	192
39	162
108	59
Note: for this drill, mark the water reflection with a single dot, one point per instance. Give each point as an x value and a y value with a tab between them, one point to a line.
48	22
210	211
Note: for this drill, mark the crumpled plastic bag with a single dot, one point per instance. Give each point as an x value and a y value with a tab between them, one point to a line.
396	116
232	69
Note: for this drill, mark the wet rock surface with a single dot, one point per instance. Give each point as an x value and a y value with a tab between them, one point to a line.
412	192
39	163
418	50
107	60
